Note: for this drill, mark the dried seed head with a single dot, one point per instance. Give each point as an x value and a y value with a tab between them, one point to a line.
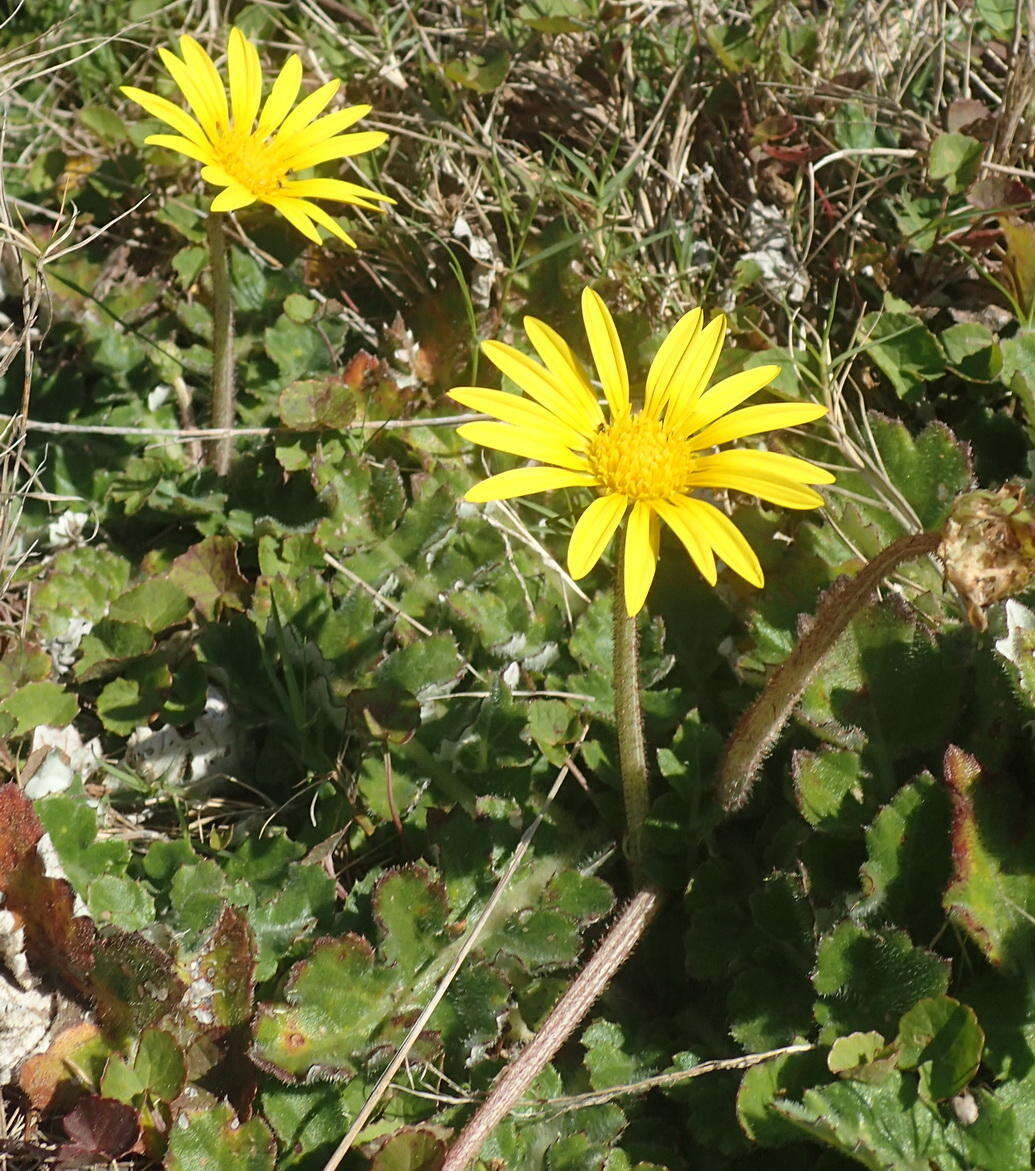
989	547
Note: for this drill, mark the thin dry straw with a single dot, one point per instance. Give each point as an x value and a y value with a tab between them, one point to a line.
212	433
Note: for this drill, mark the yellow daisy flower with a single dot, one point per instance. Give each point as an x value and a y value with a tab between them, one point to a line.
251	153
646	463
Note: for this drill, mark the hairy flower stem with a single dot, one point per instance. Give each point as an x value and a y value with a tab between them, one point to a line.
614	950
759	726
632	752
221	450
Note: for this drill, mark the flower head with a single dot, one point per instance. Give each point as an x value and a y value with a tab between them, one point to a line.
251	153
644	463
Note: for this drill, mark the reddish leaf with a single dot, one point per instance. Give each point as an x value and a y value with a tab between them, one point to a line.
55	937
209	574
227	968
99	1128
133	982
963	112
47	1079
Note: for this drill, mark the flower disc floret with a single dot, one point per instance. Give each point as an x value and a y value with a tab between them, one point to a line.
636	458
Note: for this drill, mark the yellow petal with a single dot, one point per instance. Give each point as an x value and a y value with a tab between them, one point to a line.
641	557
326	127
667	360
161	108
538	383
592	533
724	537
558	358
305	112
231	198
765	463
203	69
282	96
336	148
681	524
521	441
776	491
727	394
525	481
337	189
327	222
191	91
294	211
691	376
755	420
516	409
182	146
245	75
606	349
213	173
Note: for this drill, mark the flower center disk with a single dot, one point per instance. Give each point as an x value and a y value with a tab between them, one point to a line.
634	457
250	160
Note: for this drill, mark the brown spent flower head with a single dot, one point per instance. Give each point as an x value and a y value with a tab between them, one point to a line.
988	547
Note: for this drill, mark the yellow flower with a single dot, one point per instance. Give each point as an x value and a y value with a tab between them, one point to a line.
646	463
253	159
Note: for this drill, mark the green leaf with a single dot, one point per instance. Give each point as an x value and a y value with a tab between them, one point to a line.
878	1126
431	664
122	707
72	825
247	280
554	17
830	789
941	1038
971	350
607	1058
198	893
121	901
931	470
109	645
292	347
299	308
188	263
863	1057
337	999
998	15
40	704
281	921
316	404
387	500
890	680
214	1140
733	44
155	604
411	911
867	979
907	857
997	1140
480	74
903	348
410	1149
766	1084
120	1081
992	892
159	1065
105	123
955	160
